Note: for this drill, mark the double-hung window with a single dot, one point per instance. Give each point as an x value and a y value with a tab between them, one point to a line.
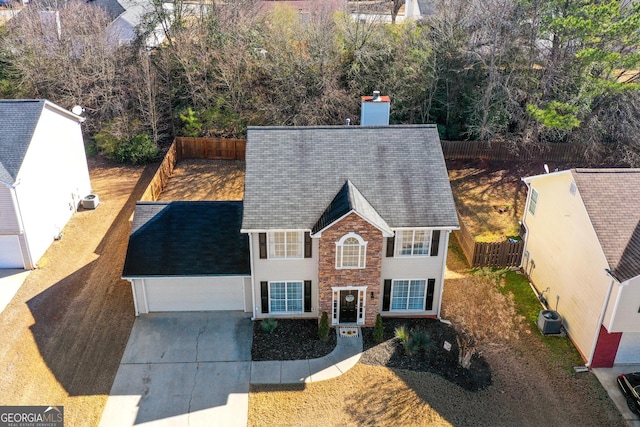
533	202
286	244
412	242
408	294
285	297
351	252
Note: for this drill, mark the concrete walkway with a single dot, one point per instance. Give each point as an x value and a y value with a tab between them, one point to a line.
340	360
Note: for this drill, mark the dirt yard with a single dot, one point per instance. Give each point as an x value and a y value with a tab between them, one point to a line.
529	389
64	332
491	197
206	180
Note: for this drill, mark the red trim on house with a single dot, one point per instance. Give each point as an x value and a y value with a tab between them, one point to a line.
606	348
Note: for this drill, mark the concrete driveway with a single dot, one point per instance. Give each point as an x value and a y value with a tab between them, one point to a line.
607	377
183	369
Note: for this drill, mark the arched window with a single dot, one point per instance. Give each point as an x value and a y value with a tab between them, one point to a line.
351	252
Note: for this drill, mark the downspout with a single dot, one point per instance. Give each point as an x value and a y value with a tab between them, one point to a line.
444	268
253	279
524	224
18	210
135	299
601	319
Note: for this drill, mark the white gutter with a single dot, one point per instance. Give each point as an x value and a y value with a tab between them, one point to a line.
253	279
444	268
601	319
18	211
135	299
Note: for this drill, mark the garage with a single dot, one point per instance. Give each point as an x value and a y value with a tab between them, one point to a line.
628	349
188	256
192	294
10	252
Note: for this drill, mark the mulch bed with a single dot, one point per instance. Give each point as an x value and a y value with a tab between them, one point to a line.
438	360
291	340
298	339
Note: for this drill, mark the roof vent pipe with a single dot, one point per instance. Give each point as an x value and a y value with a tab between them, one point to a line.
376	96
347	122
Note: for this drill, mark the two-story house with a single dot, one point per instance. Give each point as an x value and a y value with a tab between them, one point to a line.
348	220
582	254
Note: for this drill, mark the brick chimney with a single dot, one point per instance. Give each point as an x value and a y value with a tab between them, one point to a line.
375	110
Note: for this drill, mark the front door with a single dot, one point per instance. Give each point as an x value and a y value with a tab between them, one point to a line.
348	306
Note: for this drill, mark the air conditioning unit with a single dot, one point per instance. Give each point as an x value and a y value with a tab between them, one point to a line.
549	322
91	201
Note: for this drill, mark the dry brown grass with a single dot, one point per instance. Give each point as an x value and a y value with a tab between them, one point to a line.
490	199
206	180
65	330
528	390
365	395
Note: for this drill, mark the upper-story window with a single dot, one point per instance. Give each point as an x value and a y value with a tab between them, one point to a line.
412	242
286	244
533	202
351	252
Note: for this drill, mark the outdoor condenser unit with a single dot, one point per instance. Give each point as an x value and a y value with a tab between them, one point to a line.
549	322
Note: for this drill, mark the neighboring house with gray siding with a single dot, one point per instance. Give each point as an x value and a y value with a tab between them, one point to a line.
44	171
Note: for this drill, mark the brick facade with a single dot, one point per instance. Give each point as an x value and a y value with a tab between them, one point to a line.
329	276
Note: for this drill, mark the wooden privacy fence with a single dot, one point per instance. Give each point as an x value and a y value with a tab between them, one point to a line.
210	148
471	150
479	254
160	179
192	148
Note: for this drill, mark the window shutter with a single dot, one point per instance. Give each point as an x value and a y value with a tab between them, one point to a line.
307	245
435	242
386	295
431	286
307	296
390	246
262	243
264	295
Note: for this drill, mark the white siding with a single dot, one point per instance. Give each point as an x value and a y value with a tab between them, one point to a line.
568	258
10	253
266	270
426	267
624	312
52	180
629	349
190	293
8	218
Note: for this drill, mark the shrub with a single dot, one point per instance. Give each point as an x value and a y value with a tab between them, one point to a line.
323	327
402	334
419	340
124	142
269	325
378	329
191	123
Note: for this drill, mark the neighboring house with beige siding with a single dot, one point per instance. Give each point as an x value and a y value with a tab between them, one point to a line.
44	171
582	254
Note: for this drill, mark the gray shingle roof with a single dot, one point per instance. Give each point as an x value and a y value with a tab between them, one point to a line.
293	174
350	199
19	120
187	239
612	200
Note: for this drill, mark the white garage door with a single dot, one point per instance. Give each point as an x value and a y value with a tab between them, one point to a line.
10	253
194	294
629	348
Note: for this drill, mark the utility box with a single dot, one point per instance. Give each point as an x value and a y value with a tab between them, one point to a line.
90	202
549	322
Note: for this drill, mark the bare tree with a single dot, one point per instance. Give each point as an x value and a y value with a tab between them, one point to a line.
480	314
